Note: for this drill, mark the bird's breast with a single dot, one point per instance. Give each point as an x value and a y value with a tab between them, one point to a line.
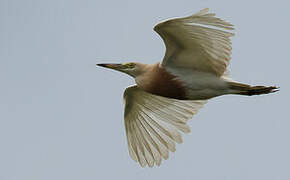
160	82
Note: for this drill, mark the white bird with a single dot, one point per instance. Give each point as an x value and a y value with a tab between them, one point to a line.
167	94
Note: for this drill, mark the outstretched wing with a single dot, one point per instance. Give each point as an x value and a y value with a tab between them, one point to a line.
198	42
153	124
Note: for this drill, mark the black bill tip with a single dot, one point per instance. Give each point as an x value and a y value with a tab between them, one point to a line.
112	66
102	65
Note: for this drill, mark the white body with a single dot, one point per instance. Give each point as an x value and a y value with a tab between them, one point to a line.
201	85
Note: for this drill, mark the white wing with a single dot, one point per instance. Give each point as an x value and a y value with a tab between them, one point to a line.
153	124
193	42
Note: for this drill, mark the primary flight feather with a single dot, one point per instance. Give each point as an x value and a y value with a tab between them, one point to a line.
167	94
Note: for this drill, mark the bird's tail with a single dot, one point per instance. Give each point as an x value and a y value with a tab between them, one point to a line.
244	89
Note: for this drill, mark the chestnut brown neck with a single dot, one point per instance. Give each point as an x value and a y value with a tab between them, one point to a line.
158	81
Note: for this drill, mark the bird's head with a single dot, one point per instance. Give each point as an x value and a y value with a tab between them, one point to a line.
132	68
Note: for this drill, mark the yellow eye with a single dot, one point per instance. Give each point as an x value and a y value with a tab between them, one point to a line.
129	65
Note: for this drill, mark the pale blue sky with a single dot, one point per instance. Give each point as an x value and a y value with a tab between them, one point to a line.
62	118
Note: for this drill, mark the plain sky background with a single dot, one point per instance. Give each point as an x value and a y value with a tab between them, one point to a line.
62	118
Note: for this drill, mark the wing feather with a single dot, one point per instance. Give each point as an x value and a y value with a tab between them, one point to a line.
199	42
131	144
153	123
165	135
151	144
145	149
165	116
162	145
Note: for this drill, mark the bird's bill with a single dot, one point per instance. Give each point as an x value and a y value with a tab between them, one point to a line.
112	66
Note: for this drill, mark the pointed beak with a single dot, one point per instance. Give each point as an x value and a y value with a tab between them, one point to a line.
112	66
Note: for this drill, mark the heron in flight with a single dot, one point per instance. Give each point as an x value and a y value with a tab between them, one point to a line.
167	94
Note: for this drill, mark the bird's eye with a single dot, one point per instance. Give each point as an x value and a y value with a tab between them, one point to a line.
129	65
